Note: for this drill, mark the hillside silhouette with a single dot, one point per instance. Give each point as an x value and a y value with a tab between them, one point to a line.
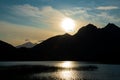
88	44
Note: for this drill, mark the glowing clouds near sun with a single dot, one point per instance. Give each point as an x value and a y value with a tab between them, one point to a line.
68	25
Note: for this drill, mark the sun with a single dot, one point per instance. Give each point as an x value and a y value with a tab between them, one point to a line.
68	25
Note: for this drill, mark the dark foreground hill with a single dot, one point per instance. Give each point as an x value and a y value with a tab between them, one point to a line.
88	44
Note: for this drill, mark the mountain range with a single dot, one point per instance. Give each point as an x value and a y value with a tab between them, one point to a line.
88	44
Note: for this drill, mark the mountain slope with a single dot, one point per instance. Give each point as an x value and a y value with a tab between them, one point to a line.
89	43
5	45
7	51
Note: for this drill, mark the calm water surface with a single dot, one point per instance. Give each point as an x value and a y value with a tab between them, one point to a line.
104	71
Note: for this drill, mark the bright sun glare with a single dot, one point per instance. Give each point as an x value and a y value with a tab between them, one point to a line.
68	25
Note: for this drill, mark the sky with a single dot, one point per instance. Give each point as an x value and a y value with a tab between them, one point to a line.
37	20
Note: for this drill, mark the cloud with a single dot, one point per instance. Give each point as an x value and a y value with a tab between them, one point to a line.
86	15
107	17
16	34
107	7
46	15
75	11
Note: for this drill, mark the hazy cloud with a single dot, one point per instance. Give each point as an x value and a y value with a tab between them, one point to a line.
107	7
46	15
75	11
16	34
107	17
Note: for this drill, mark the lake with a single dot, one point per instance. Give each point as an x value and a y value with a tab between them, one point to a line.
58	70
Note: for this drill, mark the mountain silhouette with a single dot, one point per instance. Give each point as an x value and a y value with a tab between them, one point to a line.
53	42
88	44
6	50
5	45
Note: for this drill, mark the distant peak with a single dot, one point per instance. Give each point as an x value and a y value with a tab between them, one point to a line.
66	34
91	25
111	25
27	45
28	42
87	29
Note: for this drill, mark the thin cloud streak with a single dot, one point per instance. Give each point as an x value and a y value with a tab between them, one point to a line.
75	11
107	7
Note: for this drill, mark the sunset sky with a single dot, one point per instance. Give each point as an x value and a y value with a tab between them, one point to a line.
37	20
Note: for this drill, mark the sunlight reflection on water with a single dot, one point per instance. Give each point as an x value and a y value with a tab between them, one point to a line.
65	74
71	71
66	64
60	75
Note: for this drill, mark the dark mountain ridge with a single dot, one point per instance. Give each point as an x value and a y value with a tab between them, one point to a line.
88	44
5	45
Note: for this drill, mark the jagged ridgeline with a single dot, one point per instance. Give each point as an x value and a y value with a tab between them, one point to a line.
88	44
